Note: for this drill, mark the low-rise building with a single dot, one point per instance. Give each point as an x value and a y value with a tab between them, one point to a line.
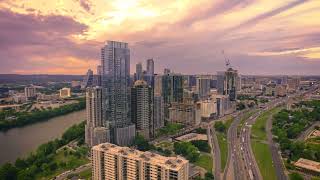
280	90
308	166
65	92
47	97
113	162
192	137
19	98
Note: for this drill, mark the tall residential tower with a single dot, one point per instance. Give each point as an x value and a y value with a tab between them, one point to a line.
115	57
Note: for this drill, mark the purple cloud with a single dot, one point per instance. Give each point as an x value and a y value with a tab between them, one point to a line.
24	37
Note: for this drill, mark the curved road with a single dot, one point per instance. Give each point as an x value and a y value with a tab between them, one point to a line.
215	151
276	157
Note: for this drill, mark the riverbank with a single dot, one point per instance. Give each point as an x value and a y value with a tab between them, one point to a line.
50	159
20	119
19	142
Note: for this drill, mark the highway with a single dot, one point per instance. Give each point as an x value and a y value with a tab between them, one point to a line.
250	164
234	159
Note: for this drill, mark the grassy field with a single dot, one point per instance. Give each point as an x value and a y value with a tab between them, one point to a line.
222	140
263	157
205	161
261	150
259	128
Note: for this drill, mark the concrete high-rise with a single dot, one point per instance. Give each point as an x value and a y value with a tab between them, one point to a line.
203	87
220	82
115	57
29	92
139	72
87	80
96	130
142	108
150	67
158	85
158	112
114	162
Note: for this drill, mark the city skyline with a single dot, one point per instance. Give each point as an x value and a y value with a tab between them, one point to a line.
259	37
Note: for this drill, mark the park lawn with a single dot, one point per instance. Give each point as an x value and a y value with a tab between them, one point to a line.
71	162
166	145
222	140
258	129
263	157
261	150
205	161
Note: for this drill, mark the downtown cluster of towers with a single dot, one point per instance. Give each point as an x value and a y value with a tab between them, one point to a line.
119	108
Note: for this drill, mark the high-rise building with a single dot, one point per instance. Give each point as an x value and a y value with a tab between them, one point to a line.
114	162
158	85
223	104
203	87
142	108
230	84
150	67
158	112
96	130
65	92
99	70
172	88
30	92
139	71
88	79
185	113
115	58
220	81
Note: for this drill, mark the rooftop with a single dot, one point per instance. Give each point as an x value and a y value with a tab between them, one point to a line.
308	164
174	163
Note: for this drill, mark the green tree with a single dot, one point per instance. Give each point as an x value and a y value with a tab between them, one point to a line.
187	149
202	145
209	176
219	126
8	172
295	176
141	143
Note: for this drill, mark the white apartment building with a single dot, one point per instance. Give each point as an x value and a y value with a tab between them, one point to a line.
114	162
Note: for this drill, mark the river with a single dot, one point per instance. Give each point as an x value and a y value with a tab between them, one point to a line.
19	142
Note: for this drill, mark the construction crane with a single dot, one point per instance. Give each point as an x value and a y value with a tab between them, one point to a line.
227	61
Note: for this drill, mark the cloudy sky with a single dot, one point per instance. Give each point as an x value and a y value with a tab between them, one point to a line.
187	36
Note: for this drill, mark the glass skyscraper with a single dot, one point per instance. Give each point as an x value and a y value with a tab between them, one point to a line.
115	60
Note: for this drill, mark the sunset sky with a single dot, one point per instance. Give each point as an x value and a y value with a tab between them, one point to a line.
187	36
